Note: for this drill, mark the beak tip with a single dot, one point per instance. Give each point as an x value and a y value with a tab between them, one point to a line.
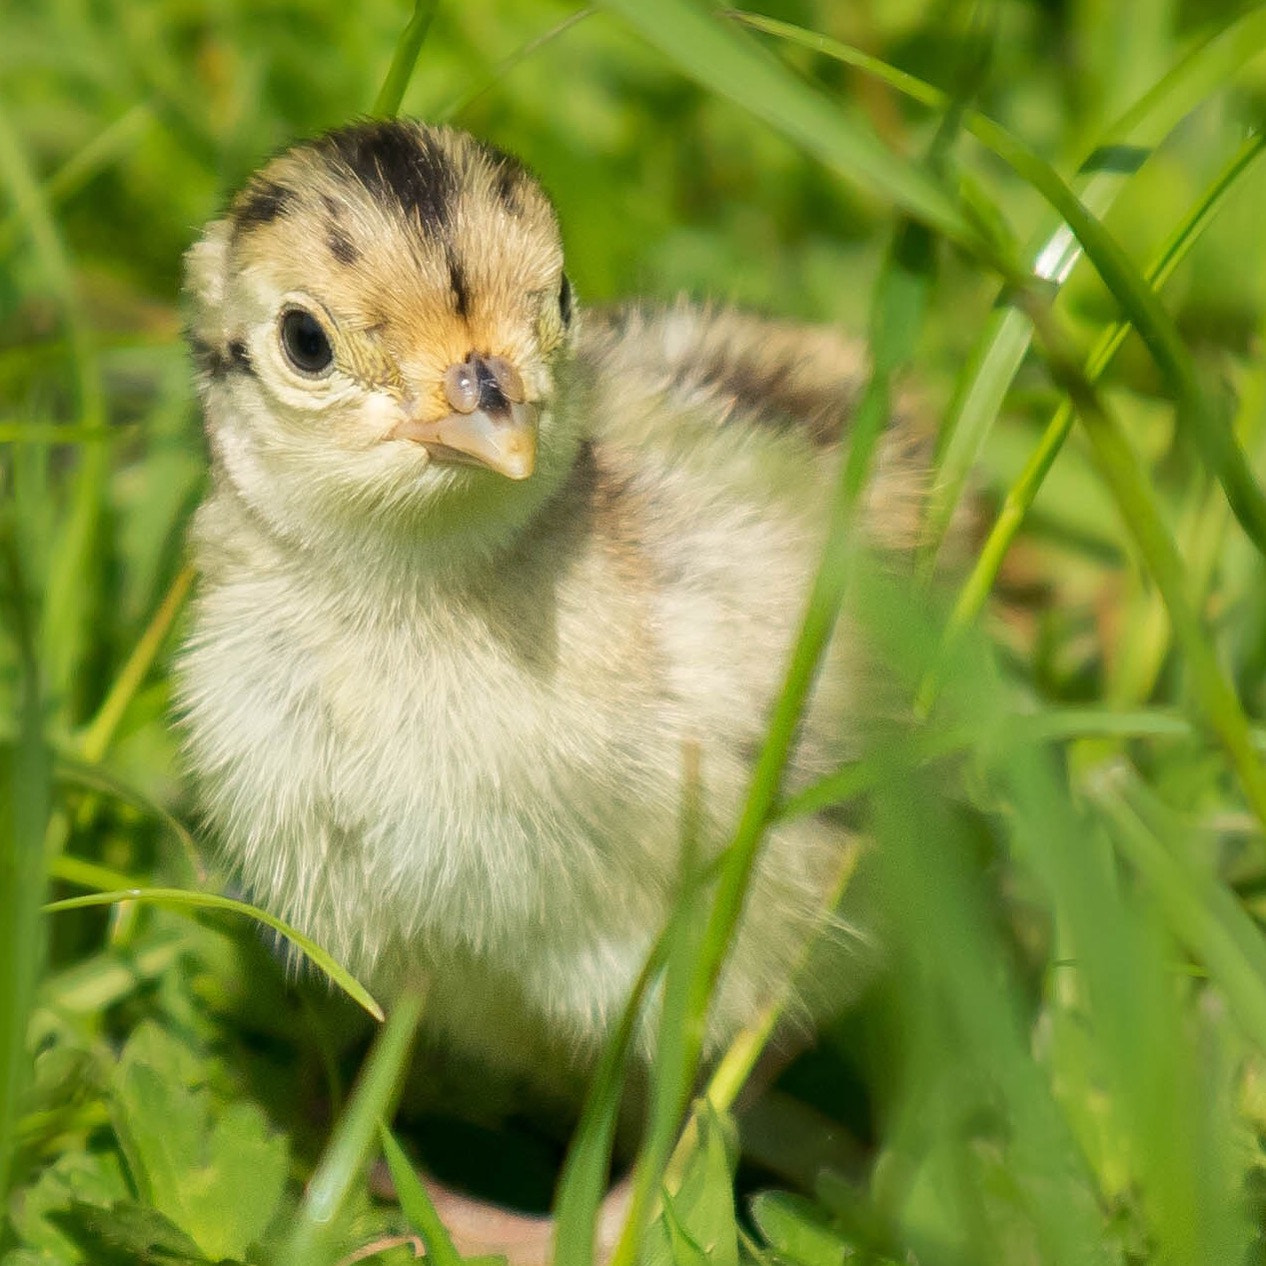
506	446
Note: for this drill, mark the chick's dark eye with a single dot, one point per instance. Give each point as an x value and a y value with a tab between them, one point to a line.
564	301
306	344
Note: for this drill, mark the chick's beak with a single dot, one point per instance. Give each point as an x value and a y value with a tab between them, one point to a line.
490	424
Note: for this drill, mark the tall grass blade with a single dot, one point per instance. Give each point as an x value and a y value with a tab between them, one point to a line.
73	578
1021	495
404	60
312	1237
584	1177
415	1202
25	791
989	375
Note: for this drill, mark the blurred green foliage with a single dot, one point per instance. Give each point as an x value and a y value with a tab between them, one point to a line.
1064	1060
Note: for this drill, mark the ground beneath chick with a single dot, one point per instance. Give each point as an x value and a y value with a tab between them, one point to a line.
479	1228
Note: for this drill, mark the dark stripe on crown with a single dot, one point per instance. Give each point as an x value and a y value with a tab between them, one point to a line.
262	203
457	280
341	245
396	161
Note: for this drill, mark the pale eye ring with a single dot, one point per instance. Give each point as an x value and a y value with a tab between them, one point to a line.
305	342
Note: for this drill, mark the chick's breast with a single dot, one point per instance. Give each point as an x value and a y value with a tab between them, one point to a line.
436	714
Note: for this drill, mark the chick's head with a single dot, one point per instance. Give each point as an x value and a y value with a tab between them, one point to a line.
381	324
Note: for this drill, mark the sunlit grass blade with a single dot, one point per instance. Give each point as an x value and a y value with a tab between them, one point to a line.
404	60
188	902
1024	490
95	740
1124	147
730	64
416	1203
310	1241
983	387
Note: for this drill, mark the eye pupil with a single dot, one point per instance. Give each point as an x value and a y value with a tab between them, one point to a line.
564	300
305	342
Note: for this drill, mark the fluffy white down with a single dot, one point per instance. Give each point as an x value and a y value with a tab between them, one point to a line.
478	778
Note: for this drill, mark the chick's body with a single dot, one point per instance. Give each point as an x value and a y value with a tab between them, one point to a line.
436	706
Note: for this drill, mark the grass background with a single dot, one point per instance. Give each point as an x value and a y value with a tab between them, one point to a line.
1061	1059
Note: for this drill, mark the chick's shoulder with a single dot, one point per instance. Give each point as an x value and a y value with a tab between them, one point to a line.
475	567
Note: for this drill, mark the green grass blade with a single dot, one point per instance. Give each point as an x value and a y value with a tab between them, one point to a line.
729	63
1124	147
102	152
67	605
900	297
72	772
310	1240
85	874
584	1177
1021	495
1120	466
999	356
97	735
24	811
507	64
404	60
1202	912
180	899
416	1202
970	1042
681	1026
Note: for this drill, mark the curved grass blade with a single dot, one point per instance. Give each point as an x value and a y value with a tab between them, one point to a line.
373	1098
404	60
180	899
998	357
507	64
1021	495
731	64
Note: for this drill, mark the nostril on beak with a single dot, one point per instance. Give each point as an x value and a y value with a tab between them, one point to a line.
492	399
487	383
461	386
